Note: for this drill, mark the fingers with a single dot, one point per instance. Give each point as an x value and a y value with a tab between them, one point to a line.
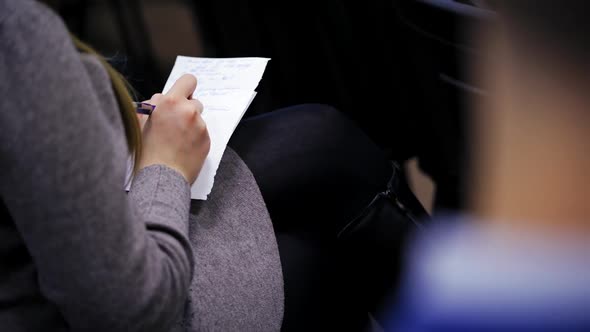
197	104
142	118
184	87
155	99
186	83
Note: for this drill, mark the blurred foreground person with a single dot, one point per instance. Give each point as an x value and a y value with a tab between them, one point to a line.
520	260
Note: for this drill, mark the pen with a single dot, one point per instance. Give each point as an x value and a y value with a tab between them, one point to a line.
144	108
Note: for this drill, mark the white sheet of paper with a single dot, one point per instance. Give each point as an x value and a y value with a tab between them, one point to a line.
226	87
221	124
219	73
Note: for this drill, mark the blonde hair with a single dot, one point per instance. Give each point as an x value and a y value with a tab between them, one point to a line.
121	89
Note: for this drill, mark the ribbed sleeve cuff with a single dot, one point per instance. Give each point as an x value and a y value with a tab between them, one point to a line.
163	195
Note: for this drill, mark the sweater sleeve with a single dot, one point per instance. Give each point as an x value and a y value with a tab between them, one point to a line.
107	260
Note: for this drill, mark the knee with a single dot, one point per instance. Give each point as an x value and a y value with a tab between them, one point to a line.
320	110
319	115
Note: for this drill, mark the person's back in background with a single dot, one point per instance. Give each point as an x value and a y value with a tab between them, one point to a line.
520	259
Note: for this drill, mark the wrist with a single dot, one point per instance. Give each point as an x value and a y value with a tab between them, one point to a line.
145	164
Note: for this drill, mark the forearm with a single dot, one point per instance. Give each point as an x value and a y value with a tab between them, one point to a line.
105	263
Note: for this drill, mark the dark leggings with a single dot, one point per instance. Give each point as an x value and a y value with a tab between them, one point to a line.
316	170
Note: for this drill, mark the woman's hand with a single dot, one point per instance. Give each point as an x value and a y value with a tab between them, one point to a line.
175	135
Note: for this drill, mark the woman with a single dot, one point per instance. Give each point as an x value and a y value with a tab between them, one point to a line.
77	253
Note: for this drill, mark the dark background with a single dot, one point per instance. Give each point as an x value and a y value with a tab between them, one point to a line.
397	68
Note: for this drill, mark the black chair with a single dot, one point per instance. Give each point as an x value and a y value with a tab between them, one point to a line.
138	44
137	58
439	45
330	51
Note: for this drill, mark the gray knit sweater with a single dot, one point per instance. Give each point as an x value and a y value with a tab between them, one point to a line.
79	254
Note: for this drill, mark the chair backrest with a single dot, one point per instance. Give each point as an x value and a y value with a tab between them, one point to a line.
439	39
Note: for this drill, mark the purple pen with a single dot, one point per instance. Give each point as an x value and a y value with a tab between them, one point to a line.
144	108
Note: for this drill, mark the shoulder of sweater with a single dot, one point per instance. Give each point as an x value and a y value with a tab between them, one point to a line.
30	19
94	67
